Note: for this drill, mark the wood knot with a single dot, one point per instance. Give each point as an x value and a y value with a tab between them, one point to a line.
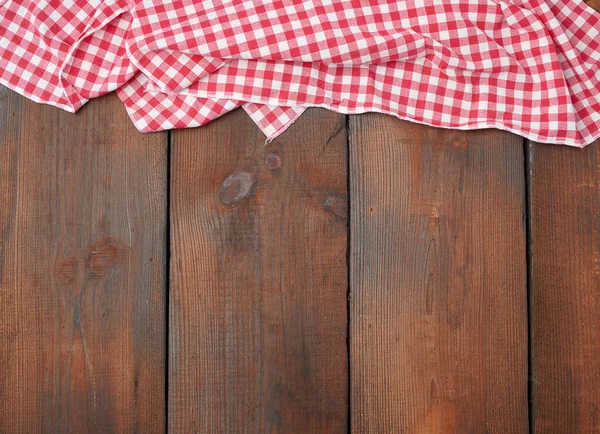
65	270
104	254
338	206
273	162
236	187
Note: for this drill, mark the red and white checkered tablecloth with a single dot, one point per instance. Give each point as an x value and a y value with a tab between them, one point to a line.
527	66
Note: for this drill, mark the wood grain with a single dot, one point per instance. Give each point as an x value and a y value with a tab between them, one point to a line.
565	288
438	315
82	270
258	322
564	256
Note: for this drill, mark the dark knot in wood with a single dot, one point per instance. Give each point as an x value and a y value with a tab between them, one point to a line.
337	205
274	162
236	187
66	270
104	254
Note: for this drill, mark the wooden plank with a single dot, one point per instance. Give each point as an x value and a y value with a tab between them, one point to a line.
438	311
564	257
82	270
565	288
259	281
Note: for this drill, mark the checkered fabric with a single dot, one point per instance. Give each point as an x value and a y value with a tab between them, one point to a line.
527	66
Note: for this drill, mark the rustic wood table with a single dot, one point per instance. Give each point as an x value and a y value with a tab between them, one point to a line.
358	273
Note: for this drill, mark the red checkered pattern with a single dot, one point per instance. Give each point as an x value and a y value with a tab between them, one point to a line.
272	120
170	69
156	111
527	66
100	63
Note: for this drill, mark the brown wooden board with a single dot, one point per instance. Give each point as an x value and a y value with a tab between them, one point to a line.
564	256
565	288
438	311
82	270
257	316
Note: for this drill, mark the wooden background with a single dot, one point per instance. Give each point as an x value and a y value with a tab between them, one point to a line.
360	273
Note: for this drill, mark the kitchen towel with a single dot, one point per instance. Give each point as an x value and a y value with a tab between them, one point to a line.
531	67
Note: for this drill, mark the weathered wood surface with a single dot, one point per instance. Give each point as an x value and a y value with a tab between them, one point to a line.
257	314
82	270
438	313
565	288
564	256
258	304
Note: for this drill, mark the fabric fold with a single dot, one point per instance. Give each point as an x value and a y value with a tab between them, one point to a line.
529	67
